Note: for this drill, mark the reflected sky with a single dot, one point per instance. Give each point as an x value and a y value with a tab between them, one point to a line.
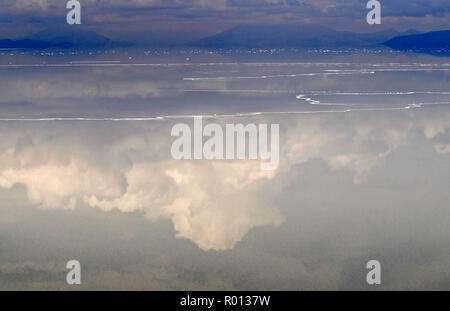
364	174
160	83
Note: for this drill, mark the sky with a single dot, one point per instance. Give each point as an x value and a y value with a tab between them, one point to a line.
123	18
352	187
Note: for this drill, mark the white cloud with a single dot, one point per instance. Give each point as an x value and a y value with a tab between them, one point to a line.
128	167
442	149
208	202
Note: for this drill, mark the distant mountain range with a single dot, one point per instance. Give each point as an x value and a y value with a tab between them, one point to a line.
430	40
63	37
293	36
241	36
25	43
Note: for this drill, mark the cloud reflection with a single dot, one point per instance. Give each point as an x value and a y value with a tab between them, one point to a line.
126	166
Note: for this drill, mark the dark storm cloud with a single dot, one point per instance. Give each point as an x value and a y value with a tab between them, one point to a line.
416	8
208	17
398	8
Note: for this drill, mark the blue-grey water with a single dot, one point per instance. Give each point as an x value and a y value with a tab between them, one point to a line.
86	171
